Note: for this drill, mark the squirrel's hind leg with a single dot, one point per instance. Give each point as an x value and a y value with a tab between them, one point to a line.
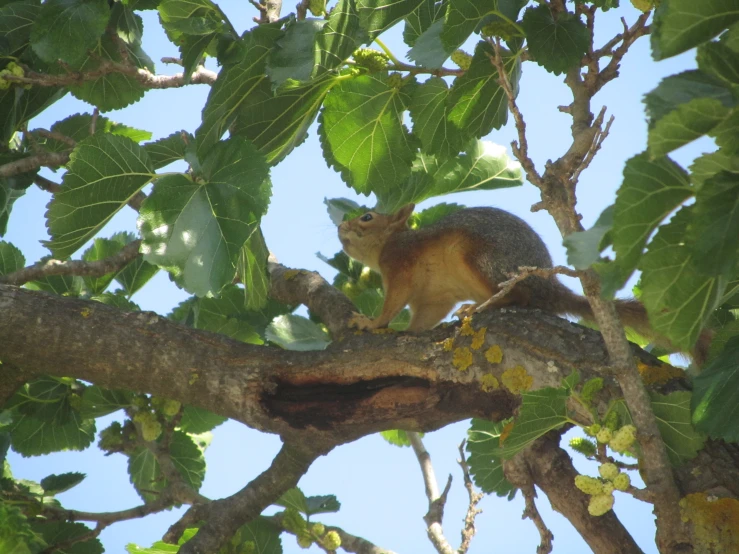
427	316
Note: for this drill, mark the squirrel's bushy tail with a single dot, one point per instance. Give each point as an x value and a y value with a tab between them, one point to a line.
633	315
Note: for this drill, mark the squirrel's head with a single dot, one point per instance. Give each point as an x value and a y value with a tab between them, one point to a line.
364	236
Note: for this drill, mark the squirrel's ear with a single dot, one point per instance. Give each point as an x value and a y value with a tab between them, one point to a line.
404	213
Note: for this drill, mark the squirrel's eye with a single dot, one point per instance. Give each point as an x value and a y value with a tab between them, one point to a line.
366	217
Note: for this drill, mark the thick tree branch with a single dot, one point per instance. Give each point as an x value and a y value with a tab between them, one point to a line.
552	471
74	267
224	517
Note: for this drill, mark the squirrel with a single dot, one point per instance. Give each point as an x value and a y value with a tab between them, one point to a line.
465	256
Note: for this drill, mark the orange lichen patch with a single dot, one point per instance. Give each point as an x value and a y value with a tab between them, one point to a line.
658	374
447	344
462	358
86	312
478	338
715	522
291	274
383	331
517	379
489	382
494	354
466	330
507	428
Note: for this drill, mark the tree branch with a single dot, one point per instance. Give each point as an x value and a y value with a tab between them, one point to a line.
80	268
224	517
435	514
31	163
107	67
468	531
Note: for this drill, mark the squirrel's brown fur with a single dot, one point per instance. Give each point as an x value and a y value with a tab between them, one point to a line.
464	256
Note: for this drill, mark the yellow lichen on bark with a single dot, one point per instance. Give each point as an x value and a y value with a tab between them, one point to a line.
478	339
462	358
658	374
715	523
489	382
494	354
447	344
517	379
466	330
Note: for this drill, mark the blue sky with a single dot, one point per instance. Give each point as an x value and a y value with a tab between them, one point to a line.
379	485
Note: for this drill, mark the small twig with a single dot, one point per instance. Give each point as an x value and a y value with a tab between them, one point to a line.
81	268
261	7
598	140
468	531
31	163
521	148
435	514
46	184
302	9
94	121
523	273
627	38
55	136
518	472
171	60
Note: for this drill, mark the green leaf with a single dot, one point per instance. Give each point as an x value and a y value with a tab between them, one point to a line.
479	103
158	547
429	111
196	228
420	19
720	61
376	16
192	49
339	207
193	17
708	165
16	23
55	484
685	124
32	436
431	215
18	105
673	419
112	91
169	149
61	19
98	402
105	172
227	315
541	411
323	504
680	25
339	38
146	474
252	271
486	466
678	296
277	123
293	498
483	166
62	532
464	16
135	275
396	437
429	51
235	84
556	44
584	247
262	534
363	136
293	332
293	55
716	395
61	285
714	229
78	128
16	535
197	420
11	259
651	189
116	301
99	250
675	90
188	459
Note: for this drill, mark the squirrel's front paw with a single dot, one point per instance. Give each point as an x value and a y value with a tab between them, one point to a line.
361	322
